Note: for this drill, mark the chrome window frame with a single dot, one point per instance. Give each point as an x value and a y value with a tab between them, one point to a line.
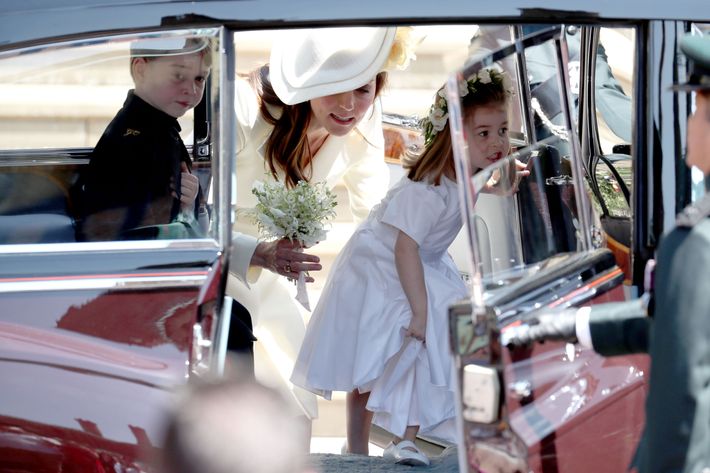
222	93
556	35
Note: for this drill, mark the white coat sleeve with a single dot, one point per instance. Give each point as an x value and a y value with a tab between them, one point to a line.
246	109
367	178
243	247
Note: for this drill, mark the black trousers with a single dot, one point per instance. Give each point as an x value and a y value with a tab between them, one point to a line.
241	336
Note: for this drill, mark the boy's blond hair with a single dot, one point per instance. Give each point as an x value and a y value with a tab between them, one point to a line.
202	46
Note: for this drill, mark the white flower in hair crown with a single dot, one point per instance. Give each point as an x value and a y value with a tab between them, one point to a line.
439	110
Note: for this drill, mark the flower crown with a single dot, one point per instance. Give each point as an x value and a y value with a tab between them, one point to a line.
439	111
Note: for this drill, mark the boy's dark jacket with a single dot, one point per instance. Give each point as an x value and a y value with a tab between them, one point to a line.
134	174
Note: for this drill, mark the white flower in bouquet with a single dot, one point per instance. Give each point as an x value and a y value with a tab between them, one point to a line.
298	213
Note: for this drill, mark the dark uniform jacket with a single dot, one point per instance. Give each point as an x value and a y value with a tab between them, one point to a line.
676	437
677	433
133	173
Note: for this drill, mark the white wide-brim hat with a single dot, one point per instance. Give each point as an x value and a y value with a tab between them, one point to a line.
306	64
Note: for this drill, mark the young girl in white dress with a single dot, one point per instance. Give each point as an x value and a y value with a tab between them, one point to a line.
380	329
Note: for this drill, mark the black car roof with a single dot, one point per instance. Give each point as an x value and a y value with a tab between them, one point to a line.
27	21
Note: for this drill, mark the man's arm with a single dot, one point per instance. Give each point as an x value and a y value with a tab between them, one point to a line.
616	328
619	328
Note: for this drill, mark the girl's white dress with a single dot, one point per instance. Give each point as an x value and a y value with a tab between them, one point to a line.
355	338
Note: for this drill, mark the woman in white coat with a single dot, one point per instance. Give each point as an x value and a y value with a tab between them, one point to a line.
312	114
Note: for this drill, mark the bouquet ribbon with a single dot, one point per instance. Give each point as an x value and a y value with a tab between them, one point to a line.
301	292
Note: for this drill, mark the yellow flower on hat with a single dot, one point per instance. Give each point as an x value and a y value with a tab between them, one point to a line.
402	51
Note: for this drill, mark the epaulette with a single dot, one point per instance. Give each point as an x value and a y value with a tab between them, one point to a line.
694	213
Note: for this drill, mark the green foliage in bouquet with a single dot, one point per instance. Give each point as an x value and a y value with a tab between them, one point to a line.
298	213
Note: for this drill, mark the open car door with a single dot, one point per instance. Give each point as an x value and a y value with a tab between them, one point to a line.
552	406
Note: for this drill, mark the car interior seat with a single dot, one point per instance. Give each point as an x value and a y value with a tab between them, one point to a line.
34	208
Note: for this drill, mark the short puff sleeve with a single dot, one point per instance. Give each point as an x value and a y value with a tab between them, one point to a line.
415	210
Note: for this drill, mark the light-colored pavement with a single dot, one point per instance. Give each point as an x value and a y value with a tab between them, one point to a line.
446	462
335	444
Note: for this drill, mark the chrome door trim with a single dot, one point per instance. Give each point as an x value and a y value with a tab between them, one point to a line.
101	246
219	353
225	131
584	206
521	68
188	279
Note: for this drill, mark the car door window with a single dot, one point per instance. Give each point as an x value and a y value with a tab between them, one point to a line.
518	223
57	102
613	79
606	133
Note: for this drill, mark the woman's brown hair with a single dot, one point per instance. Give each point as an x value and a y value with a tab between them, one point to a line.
438	157
287	146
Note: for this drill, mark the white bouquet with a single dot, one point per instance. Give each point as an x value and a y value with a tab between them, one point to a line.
299	213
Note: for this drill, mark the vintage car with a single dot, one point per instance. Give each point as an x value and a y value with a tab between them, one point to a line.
94	336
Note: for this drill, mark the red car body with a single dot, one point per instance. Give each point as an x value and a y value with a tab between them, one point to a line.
94	337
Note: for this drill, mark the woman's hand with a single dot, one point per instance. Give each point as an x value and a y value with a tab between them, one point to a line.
285	257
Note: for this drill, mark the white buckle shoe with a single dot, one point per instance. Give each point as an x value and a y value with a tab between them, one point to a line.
401	454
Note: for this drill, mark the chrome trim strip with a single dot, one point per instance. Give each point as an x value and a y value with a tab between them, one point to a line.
466	191
113	284
84	39
46	153
221	337
37	162
101	246
521	69
402	121
584	207
223	108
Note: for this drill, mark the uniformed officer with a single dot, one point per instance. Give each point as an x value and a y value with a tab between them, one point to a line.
139	178
676	437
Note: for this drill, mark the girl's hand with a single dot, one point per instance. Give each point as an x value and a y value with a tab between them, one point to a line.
417	328
504	182
411	276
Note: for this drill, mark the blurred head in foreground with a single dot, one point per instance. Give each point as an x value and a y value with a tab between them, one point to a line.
230	425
